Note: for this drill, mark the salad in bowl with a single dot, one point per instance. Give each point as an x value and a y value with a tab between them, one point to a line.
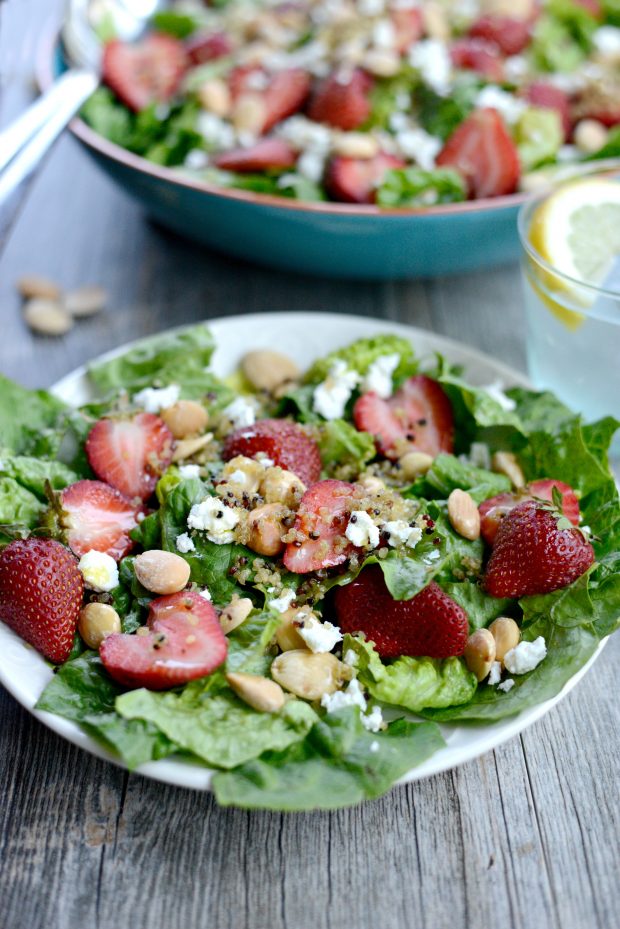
389	102
295	578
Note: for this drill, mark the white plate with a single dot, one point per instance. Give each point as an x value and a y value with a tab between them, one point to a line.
303	336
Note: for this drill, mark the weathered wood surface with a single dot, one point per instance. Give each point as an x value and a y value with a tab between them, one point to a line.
524	838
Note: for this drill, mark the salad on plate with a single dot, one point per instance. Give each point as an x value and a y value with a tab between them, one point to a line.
393	102
293	577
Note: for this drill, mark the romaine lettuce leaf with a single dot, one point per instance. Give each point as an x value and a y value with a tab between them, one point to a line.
413	186
448	473
539	134
31	421
19	507
338	764
344	451
35	474
360	354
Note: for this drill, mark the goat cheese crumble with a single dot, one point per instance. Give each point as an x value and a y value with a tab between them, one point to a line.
354	696
432	59
525	656
188	471
240	413
361	530
154	399
281	604
400	532
185	543
100	571
212	517
318	636
378	378
332	395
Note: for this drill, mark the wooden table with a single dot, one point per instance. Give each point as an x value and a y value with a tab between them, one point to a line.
526	836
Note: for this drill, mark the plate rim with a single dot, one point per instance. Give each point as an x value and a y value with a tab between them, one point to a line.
183	773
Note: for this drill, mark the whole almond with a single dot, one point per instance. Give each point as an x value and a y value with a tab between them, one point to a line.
307	675
506	463
267	370
507	635
258	692
479	653
31	285
161	572
235	613
85	301
464	515
47	317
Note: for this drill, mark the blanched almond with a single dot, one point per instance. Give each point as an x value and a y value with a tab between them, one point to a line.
507	635
47	317
96	621
479	653
258	692
267	370
185	418
309	675
413	464
235	613
464	515
161	572
506	463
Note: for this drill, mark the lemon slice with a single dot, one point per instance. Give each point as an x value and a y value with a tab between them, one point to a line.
577	229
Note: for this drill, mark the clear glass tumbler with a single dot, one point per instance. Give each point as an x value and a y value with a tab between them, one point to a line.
573	331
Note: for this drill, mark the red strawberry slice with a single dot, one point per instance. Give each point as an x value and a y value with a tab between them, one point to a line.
479	56
144	72
96	516
284	442
548	97
354	180
484	153
286	94
208	47
409	27
131	453
342	102
418	417
429	625
320	525
41	592
493	510
532	555
184	641
266	155
510	35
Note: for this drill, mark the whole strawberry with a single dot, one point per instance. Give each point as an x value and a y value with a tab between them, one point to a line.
41	591
536	551
284	442
431	624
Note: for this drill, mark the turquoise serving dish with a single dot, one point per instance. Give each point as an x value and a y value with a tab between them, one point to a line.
328	239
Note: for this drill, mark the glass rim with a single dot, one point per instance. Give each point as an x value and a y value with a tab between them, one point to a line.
523	229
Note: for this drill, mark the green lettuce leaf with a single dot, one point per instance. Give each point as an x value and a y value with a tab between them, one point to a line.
562	36
539	134
448	473
440	116
481	609
31	421
413	186
360	354
19	507
344	451
413	683
338	764
82	691
36	473
175	23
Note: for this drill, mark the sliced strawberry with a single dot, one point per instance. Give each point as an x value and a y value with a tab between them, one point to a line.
418	416
342	102
320	526
184	641
482	150
429	625
41	592
479	56
96	516
265	155
205	47
532	555
284	442
492	511
353	180
286	94
130	453
144	72
548	97
510	35
408	26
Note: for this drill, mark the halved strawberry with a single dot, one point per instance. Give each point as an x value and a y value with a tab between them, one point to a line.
285	95
130	453
41	592
493	510
532	555
265	155
479	56
320	526
548	97
96	516
284	442
483	151
408	26
342	102
144	72
510	35
419	416
429	625
210	46
184	641
354	180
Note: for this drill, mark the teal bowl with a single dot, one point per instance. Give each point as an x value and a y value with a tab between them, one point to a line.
328	239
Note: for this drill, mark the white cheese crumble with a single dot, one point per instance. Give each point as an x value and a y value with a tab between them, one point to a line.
319	637
332	395
281	604
188	471
350	658
384	34
311	164
525	656
196	160
432	59
495	674
100	571
361	530
511	108
354	696
371	7
415	142
204	593
374	746
506	685
606	40
154	399
373	721
238	477
515	67
212	517
378	378
401	533
185	543
496	392
216	132
240	413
